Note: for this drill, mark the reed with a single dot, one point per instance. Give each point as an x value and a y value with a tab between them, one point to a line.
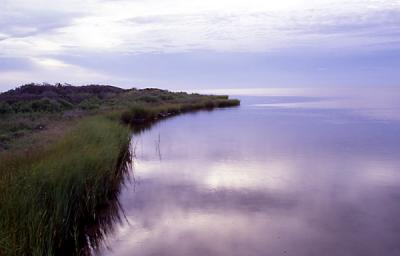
59	196
144	113
49	196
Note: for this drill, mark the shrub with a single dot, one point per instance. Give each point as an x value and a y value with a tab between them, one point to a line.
149	99
5	108
91	103
65	104
45	105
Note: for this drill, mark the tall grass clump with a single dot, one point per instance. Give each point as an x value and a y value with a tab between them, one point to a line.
58	196
139	114
52	199
145	113
224	103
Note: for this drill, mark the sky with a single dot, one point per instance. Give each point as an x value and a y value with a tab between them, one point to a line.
208	44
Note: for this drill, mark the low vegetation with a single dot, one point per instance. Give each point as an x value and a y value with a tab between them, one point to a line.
47	196
36	108
63	154
137	114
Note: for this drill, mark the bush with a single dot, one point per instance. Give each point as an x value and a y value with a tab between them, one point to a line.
42	105
5	108
65	104
45	105
88	104
149	99
22	107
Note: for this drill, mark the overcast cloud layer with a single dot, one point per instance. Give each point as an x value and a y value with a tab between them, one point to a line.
201	44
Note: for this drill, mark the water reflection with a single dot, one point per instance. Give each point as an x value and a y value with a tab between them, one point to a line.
262	180
93	224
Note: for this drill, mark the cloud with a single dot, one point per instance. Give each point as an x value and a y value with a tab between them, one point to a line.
49	70
150	26
22	19
7	64
74	29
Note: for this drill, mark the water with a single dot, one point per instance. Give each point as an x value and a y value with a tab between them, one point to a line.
298	175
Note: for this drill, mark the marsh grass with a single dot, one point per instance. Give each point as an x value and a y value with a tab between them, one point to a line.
49	197
60	196
32	108
142	113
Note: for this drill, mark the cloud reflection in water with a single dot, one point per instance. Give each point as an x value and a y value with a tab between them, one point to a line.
264	181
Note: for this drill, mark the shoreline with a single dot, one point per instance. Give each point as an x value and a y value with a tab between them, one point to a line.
53	195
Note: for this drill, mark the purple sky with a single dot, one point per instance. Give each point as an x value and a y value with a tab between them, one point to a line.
207	44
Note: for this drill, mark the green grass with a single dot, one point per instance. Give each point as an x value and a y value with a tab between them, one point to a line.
21	118
142	113
49	195
62	164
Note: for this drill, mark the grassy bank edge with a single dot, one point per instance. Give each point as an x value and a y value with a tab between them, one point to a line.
48	195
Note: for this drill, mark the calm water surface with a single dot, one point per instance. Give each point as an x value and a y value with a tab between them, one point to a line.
278	176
